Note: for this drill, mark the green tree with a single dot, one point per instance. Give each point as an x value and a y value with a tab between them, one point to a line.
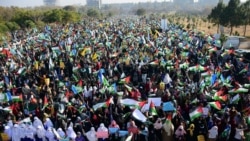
216	14
69	8
12	26
140	12
245	15
70	16
55	15
231	14
93	13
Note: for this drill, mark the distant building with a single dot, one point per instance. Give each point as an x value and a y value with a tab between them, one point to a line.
183	1
50	2
94	3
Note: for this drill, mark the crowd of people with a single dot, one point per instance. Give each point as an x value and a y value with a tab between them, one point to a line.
122	79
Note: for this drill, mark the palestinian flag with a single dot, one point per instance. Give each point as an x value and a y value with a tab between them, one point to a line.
128	88
103	104
129	102
238	90
244	70
17	98
22	71
220	98
215	105
247	86
125	80
196	113
206	74
184	65
152	109
156	62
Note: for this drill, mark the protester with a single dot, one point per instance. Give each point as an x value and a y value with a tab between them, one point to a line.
150	83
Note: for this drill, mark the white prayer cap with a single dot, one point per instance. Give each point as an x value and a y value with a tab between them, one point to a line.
59	129
95	88
6	127
16	125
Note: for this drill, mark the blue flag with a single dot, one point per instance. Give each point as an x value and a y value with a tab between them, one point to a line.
213	79
168	106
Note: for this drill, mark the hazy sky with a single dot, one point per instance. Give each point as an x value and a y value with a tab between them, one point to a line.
31	3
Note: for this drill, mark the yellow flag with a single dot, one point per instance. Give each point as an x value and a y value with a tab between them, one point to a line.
36	65
94	56
61	64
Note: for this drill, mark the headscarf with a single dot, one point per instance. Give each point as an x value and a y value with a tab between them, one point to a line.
91	135
71	133
10	123
15	136
158	124
22	130
61	132
114	124
102	128
7	130
48	123
191	129
40	132
37	122
49	134
30	131
180	131
168	127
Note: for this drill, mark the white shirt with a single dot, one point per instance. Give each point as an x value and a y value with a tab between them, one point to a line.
213	132
238	134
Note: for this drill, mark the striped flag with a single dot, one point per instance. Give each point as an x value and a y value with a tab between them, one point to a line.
238	90
103	104
196	113
125	80
156	62
244	70
220	98
112	88
17	98
152	109
215	104
76	89
103	81
21	71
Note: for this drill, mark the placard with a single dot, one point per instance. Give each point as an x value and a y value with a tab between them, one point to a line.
102	134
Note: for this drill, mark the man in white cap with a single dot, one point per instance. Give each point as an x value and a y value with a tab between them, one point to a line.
37	122
71	133
22	130
15	136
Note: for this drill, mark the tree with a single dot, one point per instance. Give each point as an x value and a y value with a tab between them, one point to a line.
216	14
70	16
140	12
93	13
12	26
231	14
69	8
245	15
